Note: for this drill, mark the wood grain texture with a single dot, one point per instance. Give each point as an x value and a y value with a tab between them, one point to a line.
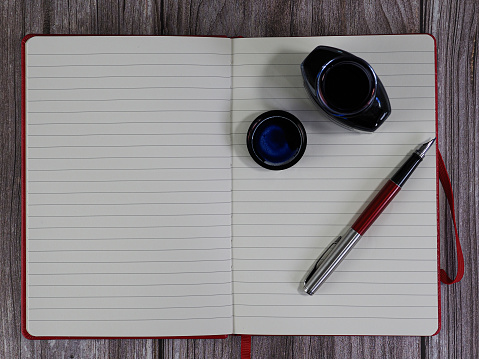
456	28
203	348
453	23
11	29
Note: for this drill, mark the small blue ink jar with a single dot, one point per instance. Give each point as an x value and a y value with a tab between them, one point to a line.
276	140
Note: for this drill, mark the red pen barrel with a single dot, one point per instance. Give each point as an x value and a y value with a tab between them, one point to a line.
376	207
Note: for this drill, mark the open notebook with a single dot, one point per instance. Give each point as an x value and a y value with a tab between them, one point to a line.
144	215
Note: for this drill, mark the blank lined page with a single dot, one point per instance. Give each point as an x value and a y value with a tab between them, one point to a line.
128	186
282	220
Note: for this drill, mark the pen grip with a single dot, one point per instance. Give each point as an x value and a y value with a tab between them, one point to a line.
376	207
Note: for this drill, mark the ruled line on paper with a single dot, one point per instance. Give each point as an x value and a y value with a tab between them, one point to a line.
206	214
132	192
139	261
329	178
133	111
306	98
121	76
306	52
236	258
212	237
113	123
124	169
130	308
123	285
131	215
316	110
301	87
338	271
207	191
325	236
128	65
142	261
295	65
128	320
126	88
340	305
332	281
321	248
125	273
335	317
121	204
379	74
189	169
125	146
325	224
320	190
336	133
126	180
346	259
127	285
138	296
236	270
257	293
129	250
124	239
128	53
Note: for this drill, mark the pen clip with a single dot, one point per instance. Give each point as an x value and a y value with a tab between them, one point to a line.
329	260
322	257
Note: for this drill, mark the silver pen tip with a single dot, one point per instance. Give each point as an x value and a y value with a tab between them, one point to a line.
422	149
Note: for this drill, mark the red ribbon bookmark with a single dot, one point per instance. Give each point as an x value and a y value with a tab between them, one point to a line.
446	185
245	346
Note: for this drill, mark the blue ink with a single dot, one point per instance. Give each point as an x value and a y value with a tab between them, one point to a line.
276	140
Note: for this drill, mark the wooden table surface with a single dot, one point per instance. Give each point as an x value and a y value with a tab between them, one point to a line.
454	23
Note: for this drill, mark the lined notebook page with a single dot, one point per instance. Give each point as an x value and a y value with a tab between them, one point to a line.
282	220
128	186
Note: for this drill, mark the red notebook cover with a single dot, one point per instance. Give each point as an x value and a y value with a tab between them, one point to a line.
441	176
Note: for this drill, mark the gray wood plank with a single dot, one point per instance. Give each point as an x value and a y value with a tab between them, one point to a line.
455	26
90	349
203	348
10	36
370	17
238	18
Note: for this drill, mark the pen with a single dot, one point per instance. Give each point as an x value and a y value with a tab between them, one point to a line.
333	254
